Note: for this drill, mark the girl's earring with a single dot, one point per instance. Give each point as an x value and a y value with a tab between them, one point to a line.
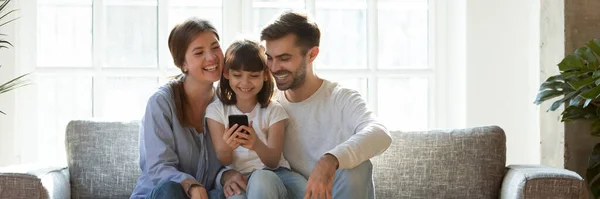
185	71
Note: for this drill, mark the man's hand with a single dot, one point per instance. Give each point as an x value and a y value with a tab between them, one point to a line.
198	192
234	183
320	182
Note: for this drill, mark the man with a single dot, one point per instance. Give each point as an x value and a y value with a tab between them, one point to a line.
331	135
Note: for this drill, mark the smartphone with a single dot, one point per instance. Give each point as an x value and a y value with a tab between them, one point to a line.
240	120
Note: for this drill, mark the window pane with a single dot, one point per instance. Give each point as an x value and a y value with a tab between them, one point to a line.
263	16
343	34
65	35
125	98
403	103
131	33
357	84
64	2
403	34
180	10
62	99
280	1
264	11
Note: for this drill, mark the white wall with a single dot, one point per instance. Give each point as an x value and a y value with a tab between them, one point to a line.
552	51
502	64
7	100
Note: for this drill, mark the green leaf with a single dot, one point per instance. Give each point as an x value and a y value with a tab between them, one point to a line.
576	101
14	84
593	171
587	102
558	103
546	95
592	93
574	74
571	62
556	85
5	42
3	4
587	56
596	74
581	83
590	58
572	113
555	105
555	78
594	46
1	17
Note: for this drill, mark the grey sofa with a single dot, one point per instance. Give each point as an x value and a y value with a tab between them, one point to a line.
463	163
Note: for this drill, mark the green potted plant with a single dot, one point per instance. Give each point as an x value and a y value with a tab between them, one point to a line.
18	81
578	86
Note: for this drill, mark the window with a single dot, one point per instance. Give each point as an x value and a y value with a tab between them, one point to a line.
104	58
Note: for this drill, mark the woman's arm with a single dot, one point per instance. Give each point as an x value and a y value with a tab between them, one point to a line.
157	155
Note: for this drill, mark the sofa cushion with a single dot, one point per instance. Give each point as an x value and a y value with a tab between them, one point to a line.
103	158
467	163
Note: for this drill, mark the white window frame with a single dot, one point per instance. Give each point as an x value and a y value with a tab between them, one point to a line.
237	20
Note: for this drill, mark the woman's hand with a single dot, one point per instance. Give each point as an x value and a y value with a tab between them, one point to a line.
249	140
230	136
198	192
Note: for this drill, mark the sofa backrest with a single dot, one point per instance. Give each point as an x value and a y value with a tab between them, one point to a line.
103	158
462	163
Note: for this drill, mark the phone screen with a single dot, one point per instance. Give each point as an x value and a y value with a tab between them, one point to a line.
241	120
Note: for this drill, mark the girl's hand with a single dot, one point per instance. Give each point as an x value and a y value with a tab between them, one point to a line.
230	136
249	140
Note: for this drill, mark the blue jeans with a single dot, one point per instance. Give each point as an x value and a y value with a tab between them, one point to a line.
174	190
349	183
354	183
274	184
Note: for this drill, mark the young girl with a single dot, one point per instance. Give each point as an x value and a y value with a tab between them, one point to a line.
246	87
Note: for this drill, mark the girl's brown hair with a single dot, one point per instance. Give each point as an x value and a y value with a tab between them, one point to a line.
246	55
180	38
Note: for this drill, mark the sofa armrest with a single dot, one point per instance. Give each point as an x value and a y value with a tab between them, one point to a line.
536	181
31	182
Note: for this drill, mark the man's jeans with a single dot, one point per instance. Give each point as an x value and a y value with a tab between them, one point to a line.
354	183
276	184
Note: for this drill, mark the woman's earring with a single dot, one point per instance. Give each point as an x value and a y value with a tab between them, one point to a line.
185	71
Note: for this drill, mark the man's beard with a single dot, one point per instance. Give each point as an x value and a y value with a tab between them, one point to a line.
298	78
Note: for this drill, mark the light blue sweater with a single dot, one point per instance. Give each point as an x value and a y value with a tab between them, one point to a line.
170	151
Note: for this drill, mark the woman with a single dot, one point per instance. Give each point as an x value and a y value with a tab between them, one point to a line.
177	157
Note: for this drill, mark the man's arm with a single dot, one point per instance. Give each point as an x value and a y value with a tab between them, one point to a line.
370	137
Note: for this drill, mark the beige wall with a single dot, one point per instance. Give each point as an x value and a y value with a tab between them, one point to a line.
582	23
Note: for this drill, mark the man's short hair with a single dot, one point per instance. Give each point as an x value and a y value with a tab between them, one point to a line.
307	32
